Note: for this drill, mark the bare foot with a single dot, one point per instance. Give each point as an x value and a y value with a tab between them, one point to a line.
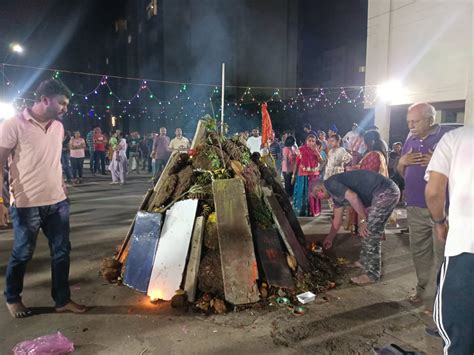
428	312
362	280
72	307
414	299
355	265
18	310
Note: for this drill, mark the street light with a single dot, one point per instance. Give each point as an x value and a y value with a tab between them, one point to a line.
390	91
6	111
17	48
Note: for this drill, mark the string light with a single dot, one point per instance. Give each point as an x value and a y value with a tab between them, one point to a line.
187	106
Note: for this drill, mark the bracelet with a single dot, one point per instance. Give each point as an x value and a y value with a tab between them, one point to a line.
441	221
1	199
363	221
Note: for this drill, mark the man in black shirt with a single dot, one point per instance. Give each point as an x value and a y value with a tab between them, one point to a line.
374	198
66	157
133	151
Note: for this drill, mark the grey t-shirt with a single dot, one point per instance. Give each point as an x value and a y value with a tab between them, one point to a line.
363	182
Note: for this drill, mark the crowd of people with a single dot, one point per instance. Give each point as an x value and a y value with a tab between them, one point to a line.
356	172
117	153
322	155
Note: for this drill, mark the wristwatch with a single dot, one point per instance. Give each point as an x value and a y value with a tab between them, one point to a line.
441	221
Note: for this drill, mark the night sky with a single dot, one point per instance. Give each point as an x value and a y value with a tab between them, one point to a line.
69	35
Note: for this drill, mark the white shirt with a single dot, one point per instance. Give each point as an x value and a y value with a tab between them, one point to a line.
254	143
337	159
349	139
180	144
454	158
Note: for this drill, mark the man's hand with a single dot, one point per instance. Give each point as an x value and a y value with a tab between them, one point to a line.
3	215
327	244
441	231
425	158
363	231
411	158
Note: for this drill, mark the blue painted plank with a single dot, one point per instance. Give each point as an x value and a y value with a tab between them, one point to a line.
141	255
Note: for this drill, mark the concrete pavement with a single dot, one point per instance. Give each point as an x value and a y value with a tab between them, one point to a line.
347	320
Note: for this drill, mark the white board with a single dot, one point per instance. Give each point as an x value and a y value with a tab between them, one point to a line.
170	258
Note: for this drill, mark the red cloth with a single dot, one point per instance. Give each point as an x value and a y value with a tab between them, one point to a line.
266	125
371	162
308	161
99	142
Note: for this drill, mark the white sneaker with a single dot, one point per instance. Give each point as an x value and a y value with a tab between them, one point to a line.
114	183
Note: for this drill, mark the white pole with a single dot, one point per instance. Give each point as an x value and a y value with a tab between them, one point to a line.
222	98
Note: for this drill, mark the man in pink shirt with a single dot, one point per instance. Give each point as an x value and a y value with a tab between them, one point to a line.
33	142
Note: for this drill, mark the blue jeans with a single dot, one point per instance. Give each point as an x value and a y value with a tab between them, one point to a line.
66	163
91	160
54	221
99	157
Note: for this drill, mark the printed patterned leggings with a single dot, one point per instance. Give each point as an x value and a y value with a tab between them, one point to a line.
383	204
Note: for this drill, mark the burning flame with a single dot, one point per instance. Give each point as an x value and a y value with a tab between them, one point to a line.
155	295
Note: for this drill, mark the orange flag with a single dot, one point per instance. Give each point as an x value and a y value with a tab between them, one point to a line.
266	125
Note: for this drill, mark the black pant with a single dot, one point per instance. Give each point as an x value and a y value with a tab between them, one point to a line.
454	305
99	157
91	160
288	186
77	164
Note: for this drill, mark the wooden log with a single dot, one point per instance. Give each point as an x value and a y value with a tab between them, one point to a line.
273	259
289	238
164	175
239	265
123	251
170	258
192	269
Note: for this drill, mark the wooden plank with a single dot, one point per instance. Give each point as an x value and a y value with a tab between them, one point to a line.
141	256
287	208
273	259
192	268
123	251
164	175
199	135
287	233
170	259
239	265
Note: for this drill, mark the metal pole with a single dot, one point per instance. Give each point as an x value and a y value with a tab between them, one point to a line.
222	98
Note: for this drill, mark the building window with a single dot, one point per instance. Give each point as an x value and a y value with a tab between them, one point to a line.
120	25
152	9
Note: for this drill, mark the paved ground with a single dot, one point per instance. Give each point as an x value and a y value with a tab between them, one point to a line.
347	320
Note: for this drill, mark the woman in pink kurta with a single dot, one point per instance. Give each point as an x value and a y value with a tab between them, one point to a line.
77	147
305	174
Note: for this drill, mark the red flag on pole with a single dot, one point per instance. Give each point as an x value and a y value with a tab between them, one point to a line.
266	125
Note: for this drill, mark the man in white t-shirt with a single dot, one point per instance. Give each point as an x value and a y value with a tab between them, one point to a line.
254	142
453	163
179	143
